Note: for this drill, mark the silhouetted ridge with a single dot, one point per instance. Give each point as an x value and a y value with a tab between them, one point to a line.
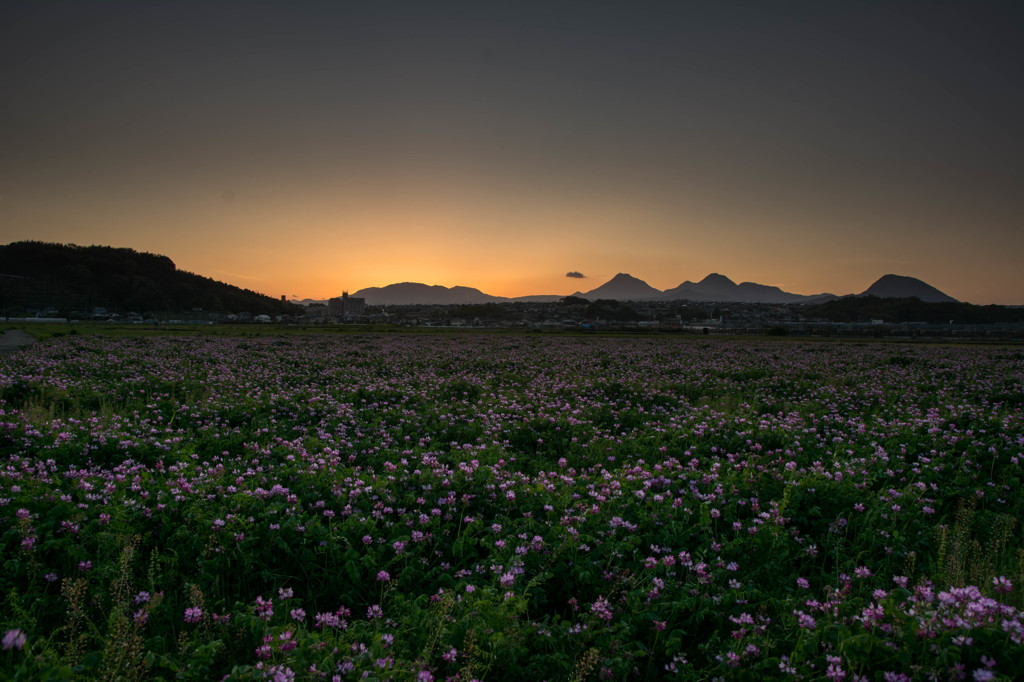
718	288
900	286
622	287
70	278
896	310
413	293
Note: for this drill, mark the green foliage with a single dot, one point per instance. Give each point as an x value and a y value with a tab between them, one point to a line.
515	508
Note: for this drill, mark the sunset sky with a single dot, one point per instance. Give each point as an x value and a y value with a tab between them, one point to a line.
305	148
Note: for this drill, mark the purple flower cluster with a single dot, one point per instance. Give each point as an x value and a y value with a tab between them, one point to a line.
581	489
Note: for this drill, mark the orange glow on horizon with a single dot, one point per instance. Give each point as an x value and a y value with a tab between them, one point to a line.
311	247
342	146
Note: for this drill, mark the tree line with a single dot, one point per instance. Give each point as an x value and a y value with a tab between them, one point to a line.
897	310
70	278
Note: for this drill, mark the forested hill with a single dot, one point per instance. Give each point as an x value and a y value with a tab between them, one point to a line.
37	276
896	310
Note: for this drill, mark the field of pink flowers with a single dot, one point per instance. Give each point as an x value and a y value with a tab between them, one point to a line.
510	507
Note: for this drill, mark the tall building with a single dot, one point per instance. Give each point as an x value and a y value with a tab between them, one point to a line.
346	306
353	306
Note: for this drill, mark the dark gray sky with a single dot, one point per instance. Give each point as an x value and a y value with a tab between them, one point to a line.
815	146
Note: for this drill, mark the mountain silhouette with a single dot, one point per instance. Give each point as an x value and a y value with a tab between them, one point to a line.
720	289
622	287
413	293
714	288
67	276
900	286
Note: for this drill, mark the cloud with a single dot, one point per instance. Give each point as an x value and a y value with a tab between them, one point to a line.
239	275
575	275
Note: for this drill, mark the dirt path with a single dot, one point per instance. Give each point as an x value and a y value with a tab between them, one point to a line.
14	339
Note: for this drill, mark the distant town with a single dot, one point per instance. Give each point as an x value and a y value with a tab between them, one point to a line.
579	315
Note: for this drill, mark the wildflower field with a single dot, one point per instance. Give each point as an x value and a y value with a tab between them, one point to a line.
431	507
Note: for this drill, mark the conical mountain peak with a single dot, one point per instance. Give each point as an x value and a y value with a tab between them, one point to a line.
715	278
901	286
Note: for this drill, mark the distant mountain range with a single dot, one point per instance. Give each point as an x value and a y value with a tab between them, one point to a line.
38	275
414	293
714	288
